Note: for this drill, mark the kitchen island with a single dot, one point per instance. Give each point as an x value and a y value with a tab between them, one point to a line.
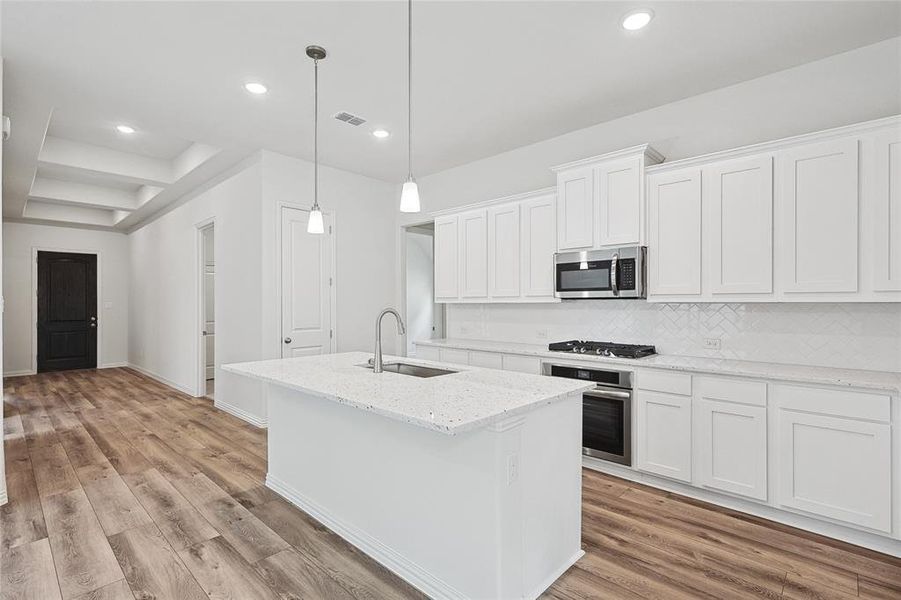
466	484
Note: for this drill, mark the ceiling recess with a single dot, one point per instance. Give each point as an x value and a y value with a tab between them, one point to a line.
350	119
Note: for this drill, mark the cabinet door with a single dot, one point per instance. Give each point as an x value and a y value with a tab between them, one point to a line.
664	434
523	364
887	225
818	202
504	251
675	241
539	242
486	360
454	356
474	254
837	468
618	191
738	198
447	255
731	451
575	209
428	353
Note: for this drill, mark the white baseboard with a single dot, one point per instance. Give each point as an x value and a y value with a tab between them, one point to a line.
20	373
160	378
411	572
879	543
114	365
3	498
241	414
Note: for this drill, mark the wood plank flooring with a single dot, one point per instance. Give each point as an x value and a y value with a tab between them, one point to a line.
120	487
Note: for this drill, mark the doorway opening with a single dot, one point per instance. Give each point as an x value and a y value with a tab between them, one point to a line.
425	319
208	307
66	307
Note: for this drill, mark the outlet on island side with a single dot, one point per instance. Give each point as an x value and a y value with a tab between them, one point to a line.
712	343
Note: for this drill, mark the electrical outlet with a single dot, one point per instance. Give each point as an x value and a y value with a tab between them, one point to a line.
512	468
712	343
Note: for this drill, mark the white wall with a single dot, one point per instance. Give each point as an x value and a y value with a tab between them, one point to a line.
2	291
19	241
165	261
420	288
846	88
164	336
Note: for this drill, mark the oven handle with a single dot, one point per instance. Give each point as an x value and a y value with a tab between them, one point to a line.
613	286
608	394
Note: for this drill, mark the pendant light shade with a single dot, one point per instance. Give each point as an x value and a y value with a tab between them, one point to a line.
315	224
409	195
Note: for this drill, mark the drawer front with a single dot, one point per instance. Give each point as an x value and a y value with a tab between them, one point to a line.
731	390
455	356
428	353
523	364
668	383
487	360
839	403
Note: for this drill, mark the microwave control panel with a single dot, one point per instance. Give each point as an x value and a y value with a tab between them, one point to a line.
627	274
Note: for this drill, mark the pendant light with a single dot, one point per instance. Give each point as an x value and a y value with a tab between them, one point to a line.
409	196
315	225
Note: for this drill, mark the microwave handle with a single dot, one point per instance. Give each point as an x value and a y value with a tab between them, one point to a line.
613	286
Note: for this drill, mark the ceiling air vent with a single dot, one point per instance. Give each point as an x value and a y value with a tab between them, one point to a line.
350	119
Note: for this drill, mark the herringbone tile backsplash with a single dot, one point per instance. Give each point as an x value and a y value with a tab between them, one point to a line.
857	336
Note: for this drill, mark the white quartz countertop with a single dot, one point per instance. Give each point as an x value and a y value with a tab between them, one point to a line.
469	399
858	378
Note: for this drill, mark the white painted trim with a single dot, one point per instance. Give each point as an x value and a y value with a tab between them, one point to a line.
880	543
19	373
333	268
199	321
34	299
241	414
3	498
485	204
409	571
115	365
160	379
775	145
645	149
544	585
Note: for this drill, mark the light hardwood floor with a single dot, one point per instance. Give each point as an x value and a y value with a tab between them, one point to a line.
120	487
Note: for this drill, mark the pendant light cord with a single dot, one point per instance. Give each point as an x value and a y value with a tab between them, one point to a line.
410	89
315	134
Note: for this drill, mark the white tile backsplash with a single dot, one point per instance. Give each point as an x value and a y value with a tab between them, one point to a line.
856	336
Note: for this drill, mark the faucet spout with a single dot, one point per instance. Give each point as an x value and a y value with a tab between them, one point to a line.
401	330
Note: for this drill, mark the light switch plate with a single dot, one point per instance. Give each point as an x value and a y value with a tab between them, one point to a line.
712	343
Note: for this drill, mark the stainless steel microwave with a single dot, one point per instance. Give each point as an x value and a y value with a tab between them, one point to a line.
610	273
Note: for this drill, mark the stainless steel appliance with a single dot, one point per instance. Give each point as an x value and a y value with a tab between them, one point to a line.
603	349
606	410
611	273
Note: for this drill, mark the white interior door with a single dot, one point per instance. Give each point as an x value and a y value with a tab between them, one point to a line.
307	285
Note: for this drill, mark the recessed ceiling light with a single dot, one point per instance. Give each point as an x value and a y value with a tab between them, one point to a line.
125	129
255	88
381	133
636	20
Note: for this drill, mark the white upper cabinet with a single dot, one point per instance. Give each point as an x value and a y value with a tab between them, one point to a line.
887	210
738	201
575	209
473	254
818	208
539	242
674	248
504	251
618	191
447	256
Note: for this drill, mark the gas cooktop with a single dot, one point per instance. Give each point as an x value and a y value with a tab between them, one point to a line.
602	349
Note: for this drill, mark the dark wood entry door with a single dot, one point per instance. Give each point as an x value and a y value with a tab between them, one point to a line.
67	311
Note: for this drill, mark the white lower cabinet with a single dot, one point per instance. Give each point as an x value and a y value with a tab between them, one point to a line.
833	466
523	364
486	360
455	356
664	434
428	352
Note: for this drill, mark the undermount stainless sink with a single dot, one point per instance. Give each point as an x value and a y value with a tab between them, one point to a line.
414	370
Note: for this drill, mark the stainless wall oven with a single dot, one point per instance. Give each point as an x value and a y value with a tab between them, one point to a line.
606	411
611	273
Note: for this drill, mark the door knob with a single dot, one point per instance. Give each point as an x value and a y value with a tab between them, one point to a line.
93	325
93	318
287	340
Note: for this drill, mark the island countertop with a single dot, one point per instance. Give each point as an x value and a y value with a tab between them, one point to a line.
469	399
